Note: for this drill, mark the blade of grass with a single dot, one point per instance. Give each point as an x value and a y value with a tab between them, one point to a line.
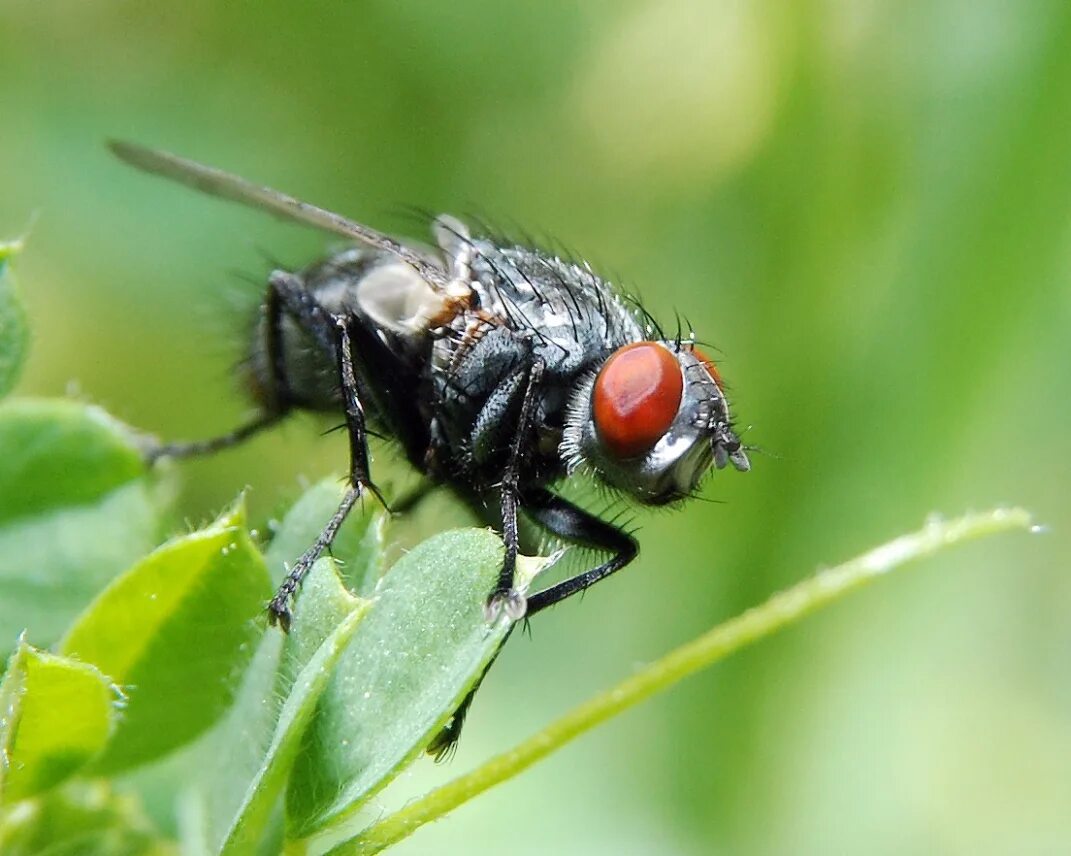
779	611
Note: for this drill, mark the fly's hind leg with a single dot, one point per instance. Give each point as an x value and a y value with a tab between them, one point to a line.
196	448
280	286
359	479
444	744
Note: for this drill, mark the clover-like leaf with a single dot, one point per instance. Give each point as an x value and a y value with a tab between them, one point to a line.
77	506
325	618
411	661
176	632
249	756
55	715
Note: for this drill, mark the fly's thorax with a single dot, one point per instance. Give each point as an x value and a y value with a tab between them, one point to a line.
566	310
651	421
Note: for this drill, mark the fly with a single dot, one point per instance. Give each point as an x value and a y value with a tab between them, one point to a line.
500	369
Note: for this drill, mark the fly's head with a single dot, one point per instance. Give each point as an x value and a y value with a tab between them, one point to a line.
652	421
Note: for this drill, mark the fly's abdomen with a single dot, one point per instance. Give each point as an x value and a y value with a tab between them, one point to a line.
372	290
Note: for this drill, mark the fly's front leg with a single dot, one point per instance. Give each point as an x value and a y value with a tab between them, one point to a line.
559	517
360	481
567	521
505	597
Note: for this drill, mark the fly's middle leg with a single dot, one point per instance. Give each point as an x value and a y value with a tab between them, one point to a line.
359	480
505	597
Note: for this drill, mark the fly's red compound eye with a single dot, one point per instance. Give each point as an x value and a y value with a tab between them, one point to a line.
708	364
636	397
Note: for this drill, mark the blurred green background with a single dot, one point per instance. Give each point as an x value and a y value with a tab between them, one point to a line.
866	206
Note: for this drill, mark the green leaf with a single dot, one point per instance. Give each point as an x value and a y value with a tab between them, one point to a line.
84	819
176	631
357	548
57	714
325	618
410	662
61	454
261	734
232	754
76	507
14	331
323	605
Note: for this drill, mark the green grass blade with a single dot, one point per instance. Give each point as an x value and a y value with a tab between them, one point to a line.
779	611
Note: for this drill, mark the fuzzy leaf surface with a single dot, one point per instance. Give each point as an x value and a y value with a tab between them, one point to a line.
411	661
77	507
176	632
325	618
55	715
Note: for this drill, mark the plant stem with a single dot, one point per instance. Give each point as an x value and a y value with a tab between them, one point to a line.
779	611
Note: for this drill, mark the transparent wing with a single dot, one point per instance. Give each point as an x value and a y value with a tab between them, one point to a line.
216	182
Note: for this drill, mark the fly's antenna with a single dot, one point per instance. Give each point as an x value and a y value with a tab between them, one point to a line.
748	447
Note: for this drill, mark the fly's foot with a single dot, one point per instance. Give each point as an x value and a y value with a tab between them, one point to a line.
511	602
279	612
153	451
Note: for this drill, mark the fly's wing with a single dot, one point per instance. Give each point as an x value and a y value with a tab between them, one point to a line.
216	182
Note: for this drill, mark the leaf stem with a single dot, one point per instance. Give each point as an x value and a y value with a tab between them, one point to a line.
779	611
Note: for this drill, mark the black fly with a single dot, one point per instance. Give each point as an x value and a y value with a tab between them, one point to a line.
498	368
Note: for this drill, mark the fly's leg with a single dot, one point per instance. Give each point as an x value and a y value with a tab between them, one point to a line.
195	448
286	293
279	606
282	403
444	743
567	521
355	426
505	597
